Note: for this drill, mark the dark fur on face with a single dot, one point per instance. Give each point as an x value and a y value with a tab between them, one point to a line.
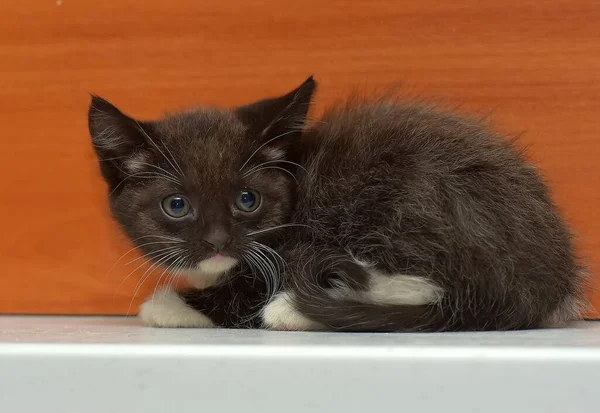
206	156
381	216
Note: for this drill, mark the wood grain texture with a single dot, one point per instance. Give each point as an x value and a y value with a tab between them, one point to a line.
535	64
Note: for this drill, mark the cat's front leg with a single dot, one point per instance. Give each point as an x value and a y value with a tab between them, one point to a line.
233	303
168	309
281	314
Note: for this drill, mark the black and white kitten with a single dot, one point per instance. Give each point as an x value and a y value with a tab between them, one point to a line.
381	216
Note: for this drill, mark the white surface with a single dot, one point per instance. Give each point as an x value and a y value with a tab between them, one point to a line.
103	365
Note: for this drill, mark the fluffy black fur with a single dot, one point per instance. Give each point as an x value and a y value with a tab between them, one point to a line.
400	186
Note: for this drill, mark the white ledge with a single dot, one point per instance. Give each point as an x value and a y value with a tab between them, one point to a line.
104	364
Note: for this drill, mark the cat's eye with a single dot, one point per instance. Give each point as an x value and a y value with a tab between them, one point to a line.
176	206
247	200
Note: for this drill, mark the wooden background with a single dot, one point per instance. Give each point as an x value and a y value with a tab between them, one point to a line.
535	64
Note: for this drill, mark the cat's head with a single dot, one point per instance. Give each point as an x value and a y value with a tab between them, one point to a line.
198	191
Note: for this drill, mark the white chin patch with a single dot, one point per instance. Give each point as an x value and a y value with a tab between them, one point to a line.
209	271
217	265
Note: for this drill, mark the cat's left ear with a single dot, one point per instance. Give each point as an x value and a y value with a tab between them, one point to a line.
280	119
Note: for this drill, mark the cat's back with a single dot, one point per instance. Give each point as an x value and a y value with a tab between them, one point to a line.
402	137
389	165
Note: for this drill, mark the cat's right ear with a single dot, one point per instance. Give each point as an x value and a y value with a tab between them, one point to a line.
117	138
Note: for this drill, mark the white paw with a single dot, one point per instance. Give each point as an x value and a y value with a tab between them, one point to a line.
280	314
167	309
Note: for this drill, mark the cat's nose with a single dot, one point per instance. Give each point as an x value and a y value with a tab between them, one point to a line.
217	237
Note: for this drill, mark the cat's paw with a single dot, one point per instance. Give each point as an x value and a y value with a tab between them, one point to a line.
167	309
280	314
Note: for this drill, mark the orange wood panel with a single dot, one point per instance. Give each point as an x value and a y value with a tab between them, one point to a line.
534	63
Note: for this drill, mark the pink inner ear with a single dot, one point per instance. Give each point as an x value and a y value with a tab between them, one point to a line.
273	153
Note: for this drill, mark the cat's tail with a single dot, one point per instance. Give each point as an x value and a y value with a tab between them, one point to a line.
346	295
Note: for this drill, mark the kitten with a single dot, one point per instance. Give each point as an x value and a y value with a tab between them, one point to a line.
381	216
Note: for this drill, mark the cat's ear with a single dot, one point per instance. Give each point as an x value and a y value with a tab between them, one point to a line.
111	130
118	139
280	118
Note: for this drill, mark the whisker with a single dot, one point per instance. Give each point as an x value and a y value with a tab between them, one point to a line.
172	247
273	167
260	231
184	266
159	254
155	176
133	249
276	161
127	277
113	159
170	174
260	269
147	275
154	144
158	236
275	253
266	270
176	272
264	144
274	275
172	265
259	247
174	160
271	251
